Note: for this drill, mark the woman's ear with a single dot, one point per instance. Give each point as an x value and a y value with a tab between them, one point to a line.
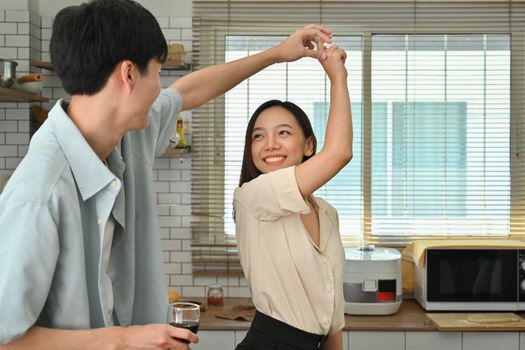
309	147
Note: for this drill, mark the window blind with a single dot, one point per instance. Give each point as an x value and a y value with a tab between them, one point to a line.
436	92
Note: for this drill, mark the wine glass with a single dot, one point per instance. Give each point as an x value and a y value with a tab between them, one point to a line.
186	315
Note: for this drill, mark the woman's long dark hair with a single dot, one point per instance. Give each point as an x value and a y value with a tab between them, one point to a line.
248	169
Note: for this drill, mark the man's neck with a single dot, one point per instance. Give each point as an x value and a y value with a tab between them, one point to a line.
96	118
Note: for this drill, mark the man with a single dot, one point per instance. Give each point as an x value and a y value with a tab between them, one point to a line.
79	242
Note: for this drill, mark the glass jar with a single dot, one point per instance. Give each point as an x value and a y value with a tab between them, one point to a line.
215	294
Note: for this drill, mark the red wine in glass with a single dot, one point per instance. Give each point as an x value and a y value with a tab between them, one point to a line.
192	326
187	316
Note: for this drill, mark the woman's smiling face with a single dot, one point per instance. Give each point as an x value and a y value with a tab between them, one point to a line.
278	141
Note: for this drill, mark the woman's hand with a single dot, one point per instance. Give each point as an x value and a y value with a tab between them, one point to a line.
300	44
157	337
334	64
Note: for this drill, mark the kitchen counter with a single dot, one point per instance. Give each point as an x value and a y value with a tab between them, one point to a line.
410	317
210	322
409	329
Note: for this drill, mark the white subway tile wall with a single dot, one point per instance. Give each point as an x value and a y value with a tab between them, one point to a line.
16	32
25	37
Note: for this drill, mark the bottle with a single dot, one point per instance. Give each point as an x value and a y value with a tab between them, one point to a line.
215	294
174	139
180	132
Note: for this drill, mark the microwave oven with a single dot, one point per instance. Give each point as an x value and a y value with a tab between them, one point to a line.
477	279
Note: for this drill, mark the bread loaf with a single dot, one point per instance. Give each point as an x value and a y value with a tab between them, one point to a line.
173	296
30	77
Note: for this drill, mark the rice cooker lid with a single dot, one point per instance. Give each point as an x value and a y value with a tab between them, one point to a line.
372	253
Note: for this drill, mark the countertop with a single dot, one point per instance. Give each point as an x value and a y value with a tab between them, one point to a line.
410	317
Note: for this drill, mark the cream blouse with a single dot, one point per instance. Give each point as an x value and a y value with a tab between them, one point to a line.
291	279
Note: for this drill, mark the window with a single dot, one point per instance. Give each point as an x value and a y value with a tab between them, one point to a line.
440	155
437	118
439	131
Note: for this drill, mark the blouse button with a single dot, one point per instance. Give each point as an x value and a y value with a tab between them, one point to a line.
114	184
99	221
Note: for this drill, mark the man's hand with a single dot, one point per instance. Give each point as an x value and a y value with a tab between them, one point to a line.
147	337
157	336
201	86
301	44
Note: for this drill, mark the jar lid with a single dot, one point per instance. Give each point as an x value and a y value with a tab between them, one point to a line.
215	286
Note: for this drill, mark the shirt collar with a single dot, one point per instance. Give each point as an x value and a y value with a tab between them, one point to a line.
90	173
116	163
117	166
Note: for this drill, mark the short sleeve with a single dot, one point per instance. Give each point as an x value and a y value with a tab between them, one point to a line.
272	195
165	111
153	140
28	256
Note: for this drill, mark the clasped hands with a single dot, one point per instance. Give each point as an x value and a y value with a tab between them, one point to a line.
310	42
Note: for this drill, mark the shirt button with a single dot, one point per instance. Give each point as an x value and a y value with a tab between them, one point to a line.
328	288
114	184
99	221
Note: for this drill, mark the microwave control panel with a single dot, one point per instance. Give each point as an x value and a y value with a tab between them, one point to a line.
521	273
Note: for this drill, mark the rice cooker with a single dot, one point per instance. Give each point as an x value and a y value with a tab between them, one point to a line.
372	282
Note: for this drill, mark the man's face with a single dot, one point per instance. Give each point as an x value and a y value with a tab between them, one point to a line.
146	90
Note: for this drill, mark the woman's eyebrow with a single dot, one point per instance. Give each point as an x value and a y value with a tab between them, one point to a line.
284	125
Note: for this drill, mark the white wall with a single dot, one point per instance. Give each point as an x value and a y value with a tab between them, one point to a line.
14	4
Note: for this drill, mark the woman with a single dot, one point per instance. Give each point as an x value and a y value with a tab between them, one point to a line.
288	240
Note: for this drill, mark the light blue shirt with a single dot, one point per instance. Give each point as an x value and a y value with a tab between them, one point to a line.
53	214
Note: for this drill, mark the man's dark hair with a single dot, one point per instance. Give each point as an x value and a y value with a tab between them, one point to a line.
248	169
89	40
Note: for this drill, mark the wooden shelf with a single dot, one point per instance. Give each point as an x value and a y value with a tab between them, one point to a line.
166	66
11	95
177	151
171	66
42	64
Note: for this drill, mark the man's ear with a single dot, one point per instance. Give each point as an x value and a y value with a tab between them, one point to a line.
126	71
309	147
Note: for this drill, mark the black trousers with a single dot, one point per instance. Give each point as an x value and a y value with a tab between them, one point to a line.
267	333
